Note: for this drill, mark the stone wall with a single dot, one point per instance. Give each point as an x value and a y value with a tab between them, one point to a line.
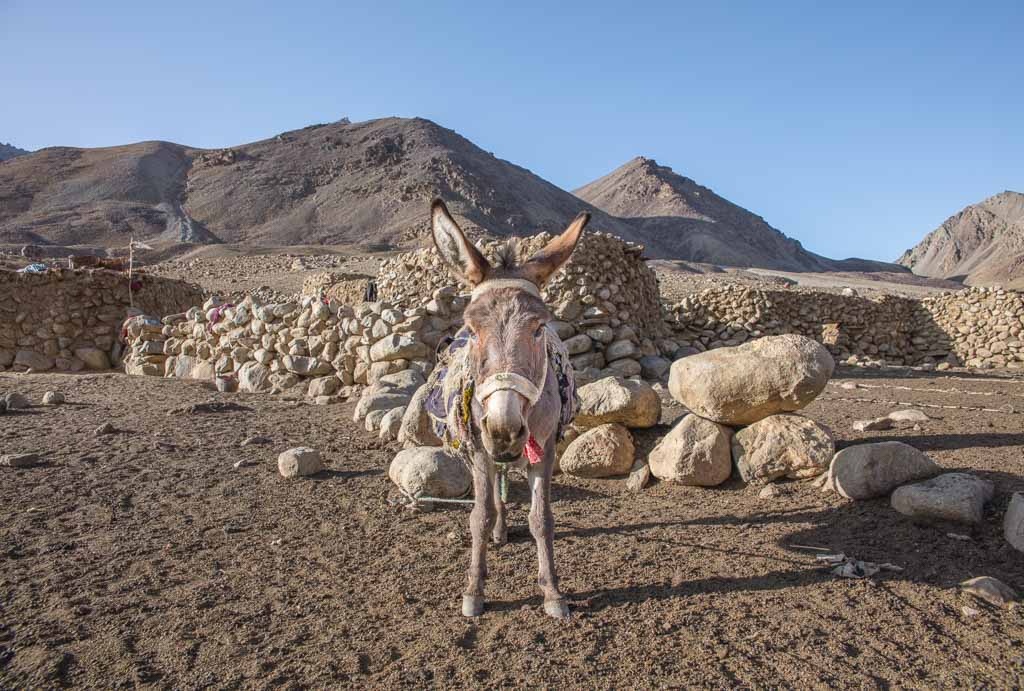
276	347
70	320
976	327
605	298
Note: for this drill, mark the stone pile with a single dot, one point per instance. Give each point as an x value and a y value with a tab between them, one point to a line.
978	327
323	348
69	320
741	401
605	299
981	325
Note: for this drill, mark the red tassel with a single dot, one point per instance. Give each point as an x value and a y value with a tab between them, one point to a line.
533	451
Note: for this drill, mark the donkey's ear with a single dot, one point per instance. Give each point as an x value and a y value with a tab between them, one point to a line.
546	262
456	250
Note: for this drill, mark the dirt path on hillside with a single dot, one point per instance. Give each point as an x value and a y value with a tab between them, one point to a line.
143	558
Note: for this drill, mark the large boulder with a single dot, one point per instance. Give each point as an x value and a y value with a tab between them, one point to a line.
30	359
323	386
1013	523
782	446
623	401
398	346
191	367
416	429
695	452
406	381
378	398
391	423
306	366
603	451
252	377
429	471
957	497
866	471
747	383
94	358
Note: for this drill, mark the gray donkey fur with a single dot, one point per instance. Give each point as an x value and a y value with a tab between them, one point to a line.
508	325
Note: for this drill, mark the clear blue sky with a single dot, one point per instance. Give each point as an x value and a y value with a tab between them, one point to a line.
854	129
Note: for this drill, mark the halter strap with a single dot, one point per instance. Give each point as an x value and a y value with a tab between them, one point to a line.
495	283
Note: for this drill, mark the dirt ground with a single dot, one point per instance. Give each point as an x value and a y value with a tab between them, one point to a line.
144	558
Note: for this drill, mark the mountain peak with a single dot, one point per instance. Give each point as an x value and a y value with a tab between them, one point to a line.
8	151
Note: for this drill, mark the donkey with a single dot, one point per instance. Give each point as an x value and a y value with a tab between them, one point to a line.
516	402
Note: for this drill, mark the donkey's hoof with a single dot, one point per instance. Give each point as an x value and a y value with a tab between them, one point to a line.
556	608
472	605
500	537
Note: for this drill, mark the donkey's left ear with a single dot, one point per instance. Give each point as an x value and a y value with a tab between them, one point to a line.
546	262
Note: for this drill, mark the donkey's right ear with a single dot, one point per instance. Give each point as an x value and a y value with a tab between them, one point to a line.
461	255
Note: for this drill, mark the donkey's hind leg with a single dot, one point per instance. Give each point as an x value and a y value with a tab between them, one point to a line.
500	534
481	522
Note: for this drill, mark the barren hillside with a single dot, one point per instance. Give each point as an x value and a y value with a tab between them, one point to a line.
8	151
982	245
692	222
365	183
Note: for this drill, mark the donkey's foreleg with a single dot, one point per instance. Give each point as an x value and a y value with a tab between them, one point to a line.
481	522
500	534
542	526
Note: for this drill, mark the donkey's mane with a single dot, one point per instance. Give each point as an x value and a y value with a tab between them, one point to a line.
507	256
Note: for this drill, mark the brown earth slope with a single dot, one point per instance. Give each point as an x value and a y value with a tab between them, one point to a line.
365	183
983	244
692	222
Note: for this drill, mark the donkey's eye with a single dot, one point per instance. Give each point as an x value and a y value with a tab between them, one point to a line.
539	332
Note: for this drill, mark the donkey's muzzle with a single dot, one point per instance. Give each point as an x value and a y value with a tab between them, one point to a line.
504	429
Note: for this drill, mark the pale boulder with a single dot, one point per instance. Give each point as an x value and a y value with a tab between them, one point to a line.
743	384
866	471
398	346
623	401
1013	523
957	497
253	377
323	386
695	452
782	446
391	423
416	429
299	462
603	451
429	471
378	398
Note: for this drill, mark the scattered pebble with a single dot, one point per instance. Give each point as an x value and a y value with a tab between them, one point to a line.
768	492
20	460
909	415
299	462
250	441
990	590
872	425
105	428
969	611
53	398
15	400
243	463
958	536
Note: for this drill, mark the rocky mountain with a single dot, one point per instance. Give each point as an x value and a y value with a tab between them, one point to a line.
689	221
365	183
10	151
981	245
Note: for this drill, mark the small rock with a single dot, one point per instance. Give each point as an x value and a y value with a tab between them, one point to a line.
879	423
430	471
848	385
256	440
639	475
299	462
105	428
909	415
958	497
768	492
16	401
1013	523
19	460
53	398
991	590
243	463
969	611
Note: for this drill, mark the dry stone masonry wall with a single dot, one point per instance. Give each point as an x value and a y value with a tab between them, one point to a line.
605	298
978	327
69	320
